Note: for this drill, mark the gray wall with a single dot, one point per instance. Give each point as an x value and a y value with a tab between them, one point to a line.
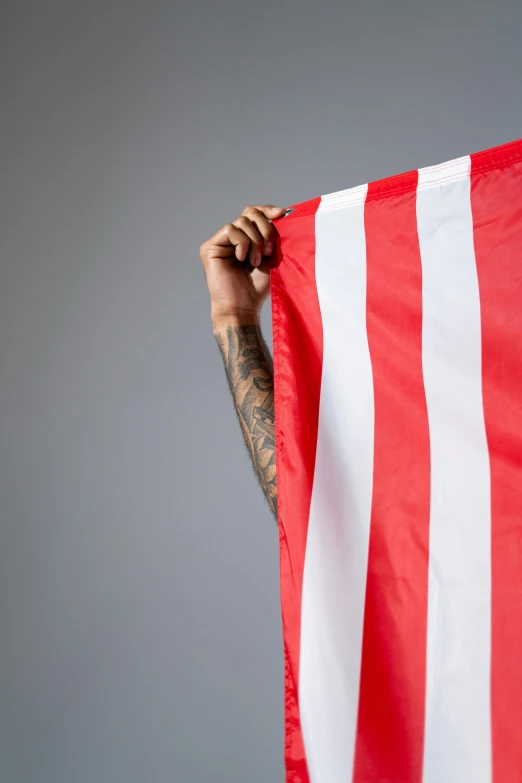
139	603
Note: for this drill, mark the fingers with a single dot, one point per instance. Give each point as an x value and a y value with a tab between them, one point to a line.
255	250
268	211
250	235
232	235
260	218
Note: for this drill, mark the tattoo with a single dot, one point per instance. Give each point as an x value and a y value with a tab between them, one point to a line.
250	375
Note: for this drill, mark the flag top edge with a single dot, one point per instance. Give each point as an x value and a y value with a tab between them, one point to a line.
492	158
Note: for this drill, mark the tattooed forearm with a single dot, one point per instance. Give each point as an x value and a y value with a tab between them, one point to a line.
249	371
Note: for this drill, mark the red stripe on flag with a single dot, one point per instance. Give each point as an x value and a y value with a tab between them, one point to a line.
496	202
390	730
298	356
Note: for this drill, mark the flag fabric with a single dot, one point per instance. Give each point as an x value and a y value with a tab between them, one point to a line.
397	332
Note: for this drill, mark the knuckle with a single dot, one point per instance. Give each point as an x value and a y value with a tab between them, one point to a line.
243	222
254	213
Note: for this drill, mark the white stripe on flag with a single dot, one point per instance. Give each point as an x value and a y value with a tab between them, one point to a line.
458	735
334	582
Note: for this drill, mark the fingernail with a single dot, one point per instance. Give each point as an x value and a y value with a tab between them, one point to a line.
268	248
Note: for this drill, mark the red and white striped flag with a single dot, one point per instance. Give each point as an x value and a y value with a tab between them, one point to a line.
397	327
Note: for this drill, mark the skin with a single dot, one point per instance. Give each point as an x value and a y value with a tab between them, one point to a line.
237	262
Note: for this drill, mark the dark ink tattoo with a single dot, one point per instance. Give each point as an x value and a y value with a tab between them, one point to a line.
249	370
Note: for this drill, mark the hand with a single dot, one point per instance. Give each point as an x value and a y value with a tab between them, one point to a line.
236	261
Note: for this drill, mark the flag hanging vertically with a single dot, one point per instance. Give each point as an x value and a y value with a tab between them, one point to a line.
397	331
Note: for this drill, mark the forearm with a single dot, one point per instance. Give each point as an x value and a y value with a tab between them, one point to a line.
249	370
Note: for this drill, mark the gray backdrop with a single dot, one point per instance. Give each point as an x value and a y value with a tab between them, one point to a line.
139	598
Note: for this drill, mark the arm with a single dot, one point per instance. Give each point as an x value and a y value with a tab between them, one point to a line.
248	366
237	261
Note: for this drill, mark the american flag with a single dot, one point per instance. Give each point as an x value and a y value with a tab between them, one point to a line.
397	331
